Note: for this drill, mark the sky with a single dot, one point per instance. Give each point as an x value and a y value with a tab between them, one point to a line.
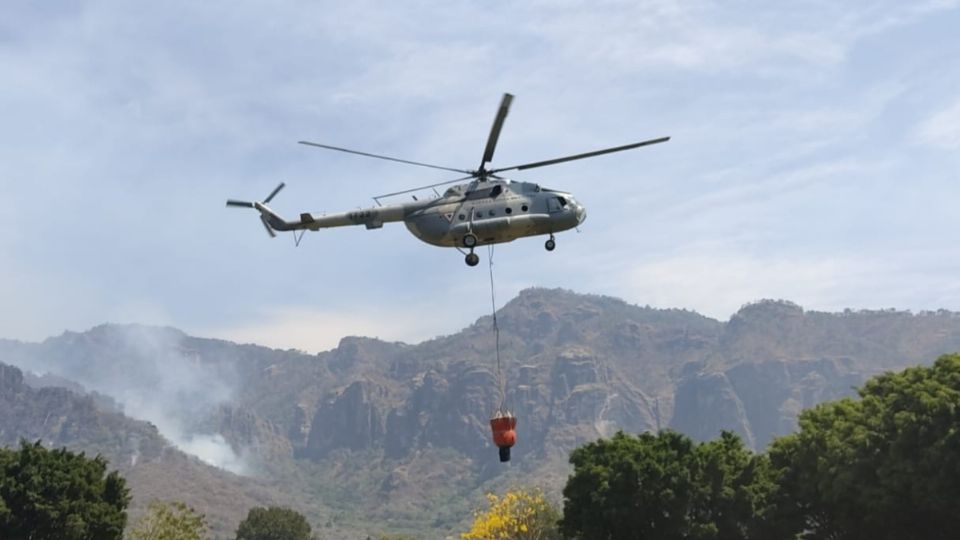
814	158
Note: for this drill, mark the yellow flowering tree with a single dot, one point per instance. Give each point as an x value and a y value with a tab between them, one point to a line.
516	515
170	521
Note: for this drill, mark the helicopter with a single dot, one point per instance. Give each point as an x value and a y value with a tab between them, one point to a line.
483	208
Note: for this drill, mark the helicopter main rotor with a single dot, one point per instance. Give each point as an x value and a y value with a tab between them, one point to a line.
481	174
494	134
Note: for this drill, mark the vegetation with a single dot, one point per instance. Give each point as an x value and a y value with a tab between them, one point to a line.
273	523
170	521
58	494
666	486
884	466
517	515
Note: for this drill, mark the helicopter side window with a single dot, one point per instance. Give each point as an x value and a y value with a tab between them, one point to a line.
462	217
524	208
509	210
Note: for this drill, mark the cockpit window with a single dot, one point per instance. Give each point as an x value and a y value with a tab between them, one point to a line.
562	201
497	190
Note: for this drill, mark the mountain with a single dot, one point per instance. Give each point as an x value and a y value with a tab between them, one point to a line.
375	436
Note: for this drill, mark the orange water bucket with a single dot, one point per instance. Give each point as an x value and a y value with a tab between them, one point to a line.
504	434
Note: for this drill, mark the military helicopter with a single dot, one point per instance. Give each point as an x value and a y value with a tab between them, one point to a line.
485	208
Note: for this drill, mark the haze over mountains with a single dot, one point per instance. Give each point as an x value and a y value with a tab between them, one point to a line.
375	436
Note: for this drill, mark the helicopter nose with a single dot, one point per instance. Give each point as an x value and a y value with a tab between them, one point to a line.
581	214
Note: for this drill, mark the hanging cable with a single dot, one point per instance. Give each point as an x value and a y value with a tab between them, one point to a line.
496	332
503	423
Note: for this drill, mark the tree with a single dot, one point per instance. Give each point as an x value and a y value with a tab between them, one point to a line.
517	515
884	466
4	512
273	523
629	487
667	486
733	492
170	521
58	494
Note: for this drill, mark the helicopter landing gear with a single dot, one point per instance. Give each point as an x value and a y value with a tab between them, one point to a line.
469	241
551	244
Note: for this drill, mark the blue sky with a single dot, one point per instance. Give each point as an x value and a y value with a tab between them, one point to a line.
814	157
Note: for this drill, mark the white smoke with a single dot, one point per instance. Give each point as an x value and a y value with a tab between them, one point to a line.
155	378
215	450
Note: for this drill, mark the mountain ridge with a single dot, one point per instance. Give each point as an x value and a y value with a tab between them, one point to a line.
378	435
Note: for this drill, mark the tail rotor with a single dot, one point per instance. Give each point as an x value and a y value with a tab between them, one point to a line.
260	207
274	193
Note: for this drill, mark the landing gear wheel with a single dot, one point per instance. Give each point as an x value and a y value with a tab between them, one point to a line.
469	240
473	259
551	244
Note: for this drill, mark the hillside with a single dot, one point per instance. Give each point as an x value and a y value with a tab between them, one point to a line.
375	436
152	466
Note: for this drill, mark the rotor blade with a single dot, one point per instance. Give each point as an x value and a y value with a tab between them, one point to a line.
581	156
495	129
273	193
388	158
243	204
423	187
268	227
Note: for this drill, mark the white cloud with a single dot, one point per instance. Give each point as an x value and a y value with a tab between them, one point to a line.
315	330
717	283
942	130
715	37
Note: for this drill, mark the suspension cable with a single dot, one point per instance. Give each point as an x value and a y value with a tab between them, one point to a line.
496	331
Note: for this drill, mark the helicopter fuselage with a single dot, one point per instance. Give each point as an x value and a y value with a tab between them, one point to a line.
493	211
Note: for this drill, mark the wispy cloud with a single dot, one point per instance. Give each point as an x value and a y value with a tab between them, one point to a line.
942	130
717	284
315	330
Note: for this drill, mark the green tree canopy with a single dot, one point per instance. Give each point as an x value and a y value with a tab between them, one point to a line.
666	486
884	466
273	523
170	521
58	494
734	489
